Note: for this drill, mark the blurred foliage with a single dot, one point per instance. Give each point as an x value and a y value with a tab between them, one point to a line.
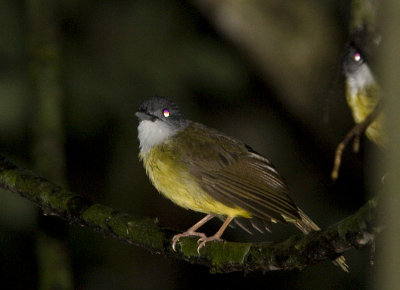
114	54
388	250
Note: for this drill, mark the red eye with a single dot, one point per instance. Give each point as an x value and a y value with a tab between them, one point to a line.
166	113
357	56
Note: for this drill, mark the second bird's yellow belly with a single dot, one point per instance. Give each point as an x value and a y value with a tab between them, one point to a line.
361	106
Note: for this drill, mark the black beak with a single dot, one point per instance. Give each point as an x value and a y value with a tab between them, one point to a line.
143	116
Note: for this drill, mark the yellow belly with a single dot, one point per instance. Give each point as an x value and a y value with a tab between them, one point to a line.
361	106
172	179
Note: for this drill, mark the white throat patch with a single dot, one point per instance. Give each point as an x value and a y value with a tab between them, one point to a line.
361	79
152	133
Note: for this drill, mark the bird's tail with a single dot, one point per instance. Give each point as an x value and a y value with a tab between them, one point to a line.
306	225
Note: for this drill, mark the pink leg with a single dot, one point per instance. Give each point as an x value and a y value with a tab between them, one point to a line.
217	237
192	231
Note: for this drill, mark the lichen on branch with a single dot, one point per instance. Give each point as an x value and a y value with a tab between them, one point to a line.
297	252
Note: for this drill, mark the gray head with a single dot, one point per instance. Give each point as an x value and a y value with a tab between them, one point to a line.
355	68
352	60
159	118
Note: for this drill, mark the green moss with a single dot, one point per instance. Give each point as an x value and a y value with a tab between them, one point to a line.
8	178
219	255
145	231
125	227
296	252
223	255
97	214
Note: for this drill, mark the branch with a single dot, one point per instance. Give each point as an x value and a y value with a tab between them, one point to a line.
363	26
297	251
44	54
355	134
265	39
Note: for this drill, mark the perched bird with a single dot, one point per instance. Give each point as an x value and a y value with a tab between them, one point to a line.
363	93
204	170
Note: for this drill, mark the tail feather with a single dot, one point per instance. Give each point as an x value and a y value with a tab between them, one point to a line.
306	225
341	262
250	225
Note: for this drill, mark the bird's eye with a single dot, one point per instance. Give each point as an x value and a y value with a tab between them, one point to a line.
357	57
166	113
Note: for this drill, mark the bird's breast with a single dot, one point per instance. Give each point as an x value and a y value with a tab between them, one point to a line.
172	178
362	103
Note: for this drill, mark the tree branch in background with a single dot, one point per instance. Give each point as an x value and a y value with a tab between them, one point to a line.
44	51
354	134
363	28
298	251
389	63
294	70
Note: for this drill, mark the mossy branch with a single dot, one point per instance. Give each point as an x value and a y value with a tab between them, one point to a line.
363	28
364	15
297	251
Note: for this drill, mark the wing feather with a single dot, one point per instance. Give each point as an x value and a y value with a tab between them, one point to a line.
235	175
252	192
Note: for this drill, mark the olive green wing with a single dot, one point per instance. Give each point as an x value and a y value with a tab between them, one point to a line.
370	98
252	184
235	175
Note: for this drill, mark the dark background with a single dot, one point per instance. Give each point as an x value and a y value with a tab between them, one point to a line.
286	103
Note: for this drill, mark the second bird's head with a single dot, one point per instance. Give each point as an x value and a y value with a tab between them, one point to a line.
159	118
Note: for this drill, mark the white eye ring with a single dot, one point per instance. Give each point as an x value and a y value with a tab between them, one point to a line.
166	113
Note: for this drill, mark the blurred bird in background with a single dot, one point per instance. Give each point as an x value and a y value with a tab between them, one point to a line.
363	93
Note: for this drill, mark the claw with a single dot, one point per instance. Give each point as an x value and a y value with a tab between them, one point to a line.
176	238
203	238
202	241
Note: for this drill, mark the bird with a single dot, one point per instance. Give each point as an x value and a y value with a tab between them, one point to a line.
205	170
363	93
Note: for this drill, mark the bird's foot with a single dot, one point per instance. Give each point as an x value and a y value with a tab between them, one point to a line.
176	238
203	240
